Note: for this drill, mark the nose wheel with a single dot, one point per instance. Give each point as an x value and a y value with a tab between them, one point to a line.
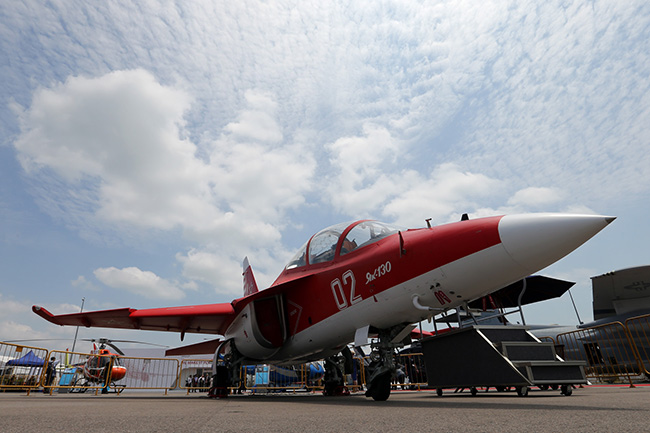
379	387
382	368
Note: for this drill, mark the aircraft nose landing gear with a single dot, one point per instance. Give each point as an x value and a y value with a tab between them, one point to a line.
382	367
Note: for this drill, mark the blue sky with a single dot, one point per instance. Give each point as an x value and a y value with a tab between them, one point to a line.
146	149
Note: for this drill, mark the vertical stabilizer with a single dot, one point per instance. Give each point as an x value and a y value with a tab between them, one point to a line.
620	292
250	286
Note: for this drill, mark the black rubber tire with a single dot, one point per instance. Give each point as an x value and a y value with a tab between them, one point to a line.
566	390
381	387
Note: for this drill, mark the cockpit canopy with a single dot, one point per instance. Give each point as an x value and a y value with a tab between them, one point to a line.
322	247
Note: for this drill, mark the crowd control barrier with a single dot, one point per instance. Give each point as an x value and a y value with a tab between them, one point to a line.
607	349
149	373
411	371
195	375
271	378
639	331
22	367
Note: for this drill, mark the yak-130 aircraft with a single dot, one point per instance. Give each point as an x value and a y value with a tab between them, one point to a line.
358	280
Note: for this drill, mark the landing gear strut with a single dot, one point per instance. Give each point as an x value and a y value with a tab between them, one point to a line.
382	366
224	370
335	369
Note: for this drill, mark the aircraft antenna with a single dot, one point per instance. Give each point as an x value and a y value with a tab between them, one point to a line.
574	307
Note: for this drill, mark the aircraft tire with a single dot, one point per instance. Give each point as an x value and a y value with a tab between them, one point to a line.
522	391
566	390
381	387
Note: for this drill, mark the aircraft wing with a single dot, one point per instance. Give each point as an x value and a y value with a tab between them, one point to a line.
203	319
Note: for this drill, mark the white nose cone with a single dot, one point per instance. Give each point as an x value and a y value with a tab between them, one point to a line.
537	240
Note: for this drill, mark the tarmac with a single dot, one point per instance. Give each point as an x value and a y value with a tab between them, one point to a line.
590	409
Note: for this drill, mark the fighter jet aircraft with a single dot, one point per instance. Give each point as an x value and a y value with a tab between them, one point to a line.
355	280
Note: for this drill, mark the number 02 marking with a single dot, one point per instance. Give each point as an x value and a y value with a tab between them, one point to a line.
343	301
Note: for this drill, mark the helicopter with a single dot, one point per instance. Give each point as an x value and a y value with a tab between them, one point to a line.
102	366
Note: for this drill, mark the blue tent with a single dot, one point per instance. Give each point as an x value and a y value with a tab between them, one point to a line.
28	360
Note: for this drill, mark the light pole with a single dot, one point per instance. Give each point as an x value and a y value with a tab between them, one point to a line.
77	331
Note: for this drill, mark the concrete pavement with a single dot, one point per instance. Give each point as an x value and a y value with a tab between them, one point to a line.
590	409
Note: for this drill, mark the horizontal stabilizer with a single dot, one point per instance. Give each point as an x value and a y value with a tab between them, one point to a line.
202	348
418	334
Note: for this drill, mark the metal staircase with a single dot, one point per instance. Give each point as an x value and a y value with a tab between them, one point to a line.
502	357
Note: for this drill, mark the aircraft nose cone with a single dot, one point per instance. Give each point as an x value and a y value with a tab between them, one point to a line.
535	241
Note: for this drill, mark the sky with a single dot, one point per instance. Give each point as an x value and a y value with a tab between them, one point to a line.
146	148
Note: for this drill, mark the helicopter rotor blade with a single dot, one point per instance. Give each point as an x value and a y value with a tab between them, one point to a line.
114	347
106	341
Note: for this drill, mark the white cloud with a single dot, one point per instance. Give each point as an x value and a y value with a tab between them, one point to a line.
114	144
447	191
83	283
143	283
15	331
258	121
220	271
19	323
357	183
535	198
122	133
119	136
367	180
9	307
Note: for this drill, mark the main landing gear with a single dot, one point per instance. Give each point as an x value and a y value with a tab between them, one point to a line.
225	369
335	369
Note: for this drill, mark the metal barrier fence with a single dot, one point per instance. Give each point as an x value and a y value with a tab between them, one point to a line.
192	375
80	372
22	366
271	378
411	371
149	373
639	332
607	349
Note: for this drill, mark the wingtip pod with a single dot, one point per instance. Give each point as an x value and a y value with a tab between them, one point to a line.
535	241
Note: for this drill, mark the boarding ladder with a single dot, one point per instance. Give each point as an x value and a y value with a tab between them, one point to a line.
502	357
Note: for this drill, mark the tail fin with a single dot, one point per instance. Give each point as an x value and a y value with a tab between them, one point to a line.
250	286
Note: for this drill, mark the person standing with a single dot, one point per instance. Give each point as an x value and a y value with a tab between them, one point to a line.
50	374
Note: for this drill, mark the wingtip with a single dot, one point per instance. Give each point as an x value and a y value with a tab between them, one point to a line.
42	312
